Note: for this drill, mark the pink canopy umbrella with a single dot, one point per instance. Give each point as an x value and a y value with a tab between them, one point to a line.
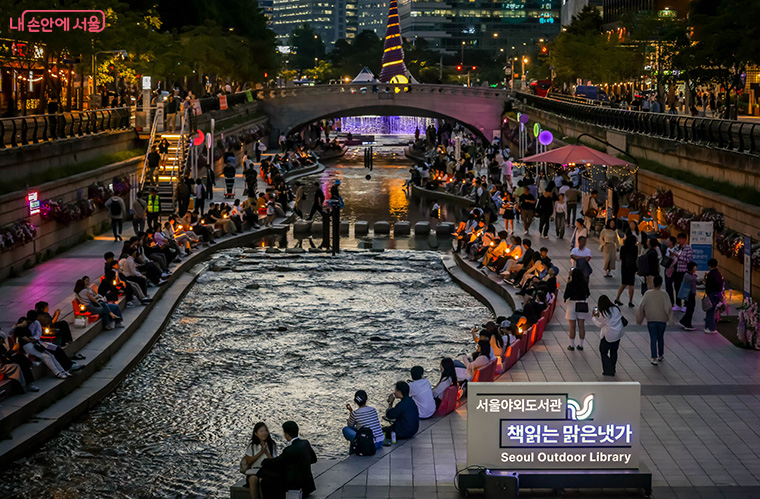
579	155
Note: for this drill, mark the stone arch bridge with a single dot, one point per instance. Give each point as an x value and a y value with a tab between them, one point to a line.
479	108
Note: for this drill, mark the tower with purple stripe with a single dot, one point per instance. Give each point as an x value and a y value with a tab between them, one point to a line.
393	53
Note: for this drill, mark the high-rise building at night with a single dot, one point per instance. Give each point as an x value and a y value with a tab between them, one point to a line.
333	19
372	16
267	7
572	8
448	25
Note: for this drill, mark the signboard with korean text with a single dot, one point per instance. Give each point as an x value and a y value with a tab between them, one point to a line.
701	241
545	426
222	102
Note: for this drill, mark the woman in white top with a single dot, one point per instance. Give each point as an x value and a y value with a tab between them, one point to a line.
580	231
448	378
261	447
560	212
97	304
480	359
610	321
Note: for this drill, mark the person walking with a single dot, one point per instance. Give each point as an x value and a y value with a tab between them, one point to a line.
171	114
609	318
435	214
183	197
527	206
590	209
154	209
688	294
200	195
655	309
154	160
560	214
629	253
683	255
138	213
714	293
319	200
575	296
571	195
608	243
116	209
545	210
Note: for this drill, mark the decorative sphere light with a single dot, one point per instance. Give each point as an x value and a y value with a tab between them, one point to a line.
524	118
545	138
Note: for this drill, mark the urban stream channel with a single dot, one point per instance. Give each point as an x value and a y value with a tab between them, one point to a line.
266	338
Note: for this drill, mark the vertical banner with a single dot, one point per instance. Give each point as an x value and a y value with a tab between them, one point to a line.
747	267
248	96
701	240
222	102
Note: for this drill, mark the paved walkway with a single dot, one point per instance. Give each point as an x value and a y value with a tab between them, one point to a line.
53	281
700	408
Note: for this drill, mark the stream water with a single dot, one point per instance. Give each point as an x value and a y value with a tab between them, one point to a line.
265	338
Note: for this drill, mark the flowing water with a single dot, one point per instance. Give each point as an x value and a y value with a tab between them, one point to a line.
266	338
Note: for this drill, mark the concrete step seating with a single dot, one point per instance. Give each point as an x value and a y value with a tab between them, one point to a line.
381	228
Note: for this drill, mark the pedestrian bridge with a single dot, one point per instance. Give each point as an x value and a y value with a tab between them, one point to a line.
291	108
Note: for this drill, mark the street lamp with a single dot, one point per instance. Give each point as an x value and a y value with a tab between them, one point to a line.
524	62
461	60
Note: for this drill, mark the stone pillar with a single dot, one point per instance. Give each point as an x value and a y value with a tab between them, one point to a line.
382	228
361	228
422	228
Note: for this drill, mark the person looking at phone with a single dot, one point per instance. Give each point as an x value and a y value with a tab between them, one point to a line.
364	415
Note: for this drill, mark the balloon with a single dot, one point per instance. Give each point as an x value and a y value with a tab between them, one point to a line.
545	137
524	118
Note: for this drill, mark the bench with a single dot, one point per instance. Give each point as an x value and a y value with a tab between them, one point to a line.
485	374
449	401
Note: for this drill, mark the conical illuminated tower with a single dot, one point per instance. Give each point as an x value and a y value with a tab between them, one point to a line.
393	53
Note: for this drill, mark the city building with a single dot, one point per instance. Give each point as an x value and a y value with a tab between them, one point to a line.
614	9
372	16
571	8
267	7
457	25
332	20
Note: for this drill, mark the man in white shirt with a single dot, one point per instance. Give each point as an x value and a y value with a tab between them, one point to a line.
581	256
422	393
506	172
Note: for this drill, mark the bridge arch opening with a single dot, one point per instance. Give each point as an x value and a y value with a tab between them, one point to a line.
392	110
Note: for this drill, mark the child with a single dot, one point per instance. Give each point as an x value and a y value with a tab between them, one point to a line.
435	214
270	212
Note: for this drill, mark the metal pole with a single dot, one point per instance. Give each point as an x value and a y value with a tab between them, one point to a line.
326	227
336	230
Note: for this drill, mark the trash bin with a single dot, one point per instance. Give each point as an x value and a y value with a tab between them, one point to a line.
501	485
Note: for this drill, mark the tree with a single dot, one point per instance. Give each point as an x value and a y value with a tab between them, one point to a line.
306	46
725	40
366	49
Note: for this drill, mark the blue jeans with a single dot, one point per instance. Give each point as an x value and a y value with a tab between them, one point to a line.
105	310
710	314
656	338
349	433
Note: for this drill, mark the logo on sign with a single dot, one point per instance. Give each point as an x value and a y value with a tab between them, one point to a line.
576	413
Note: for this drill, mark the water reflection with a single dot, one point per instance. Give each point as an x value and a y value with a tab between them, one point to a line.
273	337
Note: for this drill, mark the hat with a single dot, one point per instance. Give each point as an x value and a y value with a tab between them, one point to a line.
338	182
360	397
505	324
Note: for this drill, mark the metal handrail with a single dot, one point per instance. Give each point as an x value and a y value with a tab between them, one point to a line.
736	136
151	139
37	128
181	142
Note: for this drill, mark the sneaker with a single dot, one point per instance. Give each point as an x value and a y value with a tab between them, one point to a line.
676	308
387	442
145	301
570	347
78	356
130	304
661	358
119	323
165	275
708	330
631	305
33	388
711	332
61	375
580	347
76	367
653	362
688	328
619	303
683	309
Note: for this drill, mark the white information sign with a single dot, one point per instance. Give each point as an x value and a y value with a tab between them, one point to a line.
539	426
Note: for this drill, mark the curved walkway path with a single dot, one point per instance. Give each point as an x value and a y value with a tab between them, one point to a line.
30	418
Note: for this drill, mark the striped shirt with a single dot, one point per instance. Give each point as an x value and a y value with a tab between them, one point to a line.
684	257
367	416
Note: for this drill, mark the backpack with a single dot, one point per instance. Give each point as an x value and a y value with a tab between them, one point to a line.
364	442
115	208
642	265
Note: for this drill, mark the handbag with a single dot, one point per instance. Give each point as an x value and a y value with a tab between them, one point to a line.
707	303
581	307
80	321
666	261
244	466
684	291
623	321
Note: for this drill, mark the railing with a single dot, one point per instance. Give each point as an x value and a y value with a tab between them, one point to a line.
34	129
381	89
150	145
179	153
737	136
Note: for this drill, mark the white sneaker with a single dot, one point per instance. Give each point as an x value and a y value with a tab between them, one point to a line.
711	332
130	304
653	362
708	330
